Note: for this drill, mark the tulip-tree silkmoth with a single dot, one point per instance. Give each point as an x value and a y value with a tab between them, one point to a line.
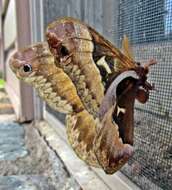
80	73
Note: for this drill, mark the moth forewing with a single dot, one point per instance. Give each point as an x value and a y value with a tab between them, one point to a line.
126	48
111	152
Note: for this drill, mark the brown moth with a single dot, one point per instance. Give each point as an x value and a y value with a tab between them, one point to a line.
83	75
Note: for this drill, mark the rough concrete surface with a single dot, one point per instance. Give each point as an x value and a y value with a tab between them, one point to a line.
40	165
26	162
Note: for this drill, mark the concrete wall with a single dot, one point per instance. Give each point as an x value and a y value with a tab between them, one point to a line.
10	25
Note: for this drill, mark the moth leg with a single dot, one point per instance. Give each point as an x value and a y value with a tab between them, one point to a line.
109	148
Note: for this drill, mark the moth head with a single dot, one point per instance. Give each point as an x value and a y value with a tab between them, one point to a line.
30	62
143	85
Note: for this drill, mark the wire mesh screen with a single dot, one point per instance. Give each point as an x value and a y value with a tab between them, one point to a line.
149	27
146	21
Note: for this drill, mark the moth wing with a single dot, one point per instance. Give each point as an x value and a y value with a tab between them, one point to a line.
81	131
52	83
71	44
79	50
110	150
107	48
126	48
113	144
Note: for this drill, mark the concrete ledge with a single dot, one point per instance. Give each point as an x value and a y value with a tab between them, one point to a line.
88	178
84	176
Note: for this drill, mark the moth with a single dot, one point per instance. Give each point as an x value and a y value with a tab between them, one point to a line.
80	73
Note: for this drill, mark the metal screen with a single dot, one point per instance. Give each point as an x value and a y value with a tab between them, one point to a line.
149	27
148	24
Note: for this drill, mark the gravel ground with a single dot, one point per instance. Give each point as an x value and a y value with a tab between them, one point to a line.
40	161
26	162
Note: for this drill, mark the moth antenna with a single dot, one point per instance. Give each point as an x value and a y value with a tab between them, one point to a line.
150	63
